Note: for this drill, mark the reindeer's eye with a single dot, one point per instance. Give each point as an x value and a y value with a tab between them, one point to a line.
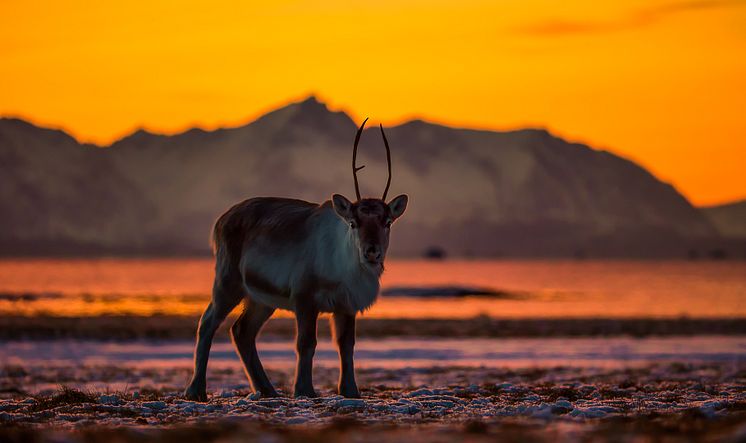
353	225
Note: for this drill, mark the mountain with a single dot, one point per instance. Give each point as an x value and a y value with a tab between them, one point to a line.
729	219
57	196
473	193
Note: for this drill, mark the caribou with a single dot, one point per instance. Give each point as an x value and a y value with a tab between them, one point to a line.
279	253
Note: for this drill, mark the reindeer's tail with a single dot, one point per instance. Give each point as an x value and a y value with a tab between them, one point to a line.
216	236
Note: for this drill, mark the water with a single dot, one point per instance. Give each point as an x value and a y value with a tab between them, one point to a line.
537	288
394	352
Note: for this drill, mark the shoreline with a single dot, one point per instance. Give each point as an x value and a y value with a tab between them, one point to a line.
129	327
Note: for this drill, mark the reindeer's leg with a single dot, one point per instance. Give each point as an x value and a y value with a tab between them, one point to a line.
305	347
344	333
244	332
226	294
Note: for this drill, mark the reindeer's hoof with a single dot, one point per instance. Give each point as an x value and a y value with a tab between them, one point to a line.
195	394
263	394
349	393
310	393
270	394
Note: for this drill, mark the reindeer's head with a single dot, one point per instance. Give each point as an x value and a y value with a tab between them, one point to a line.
369	219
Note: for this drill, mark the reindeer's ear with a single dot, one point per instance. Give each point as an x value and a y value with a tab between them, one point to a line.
342	206
398	205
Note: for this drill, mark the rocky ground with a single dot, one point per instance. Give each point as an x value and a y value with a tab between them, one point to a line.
696	401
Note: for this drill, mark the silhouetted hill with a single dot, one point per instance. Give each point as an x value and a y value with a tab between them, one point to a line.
483	193
57	196
729	219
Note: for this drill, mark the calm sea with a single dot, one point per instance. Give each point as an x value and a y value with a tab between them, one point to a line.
536	288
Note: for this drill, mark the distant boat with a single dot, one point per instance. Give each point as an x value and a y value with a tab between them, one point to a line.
434	253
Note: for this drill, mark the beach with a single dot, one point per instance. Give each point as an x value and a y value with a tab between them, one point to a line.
107	356
699	401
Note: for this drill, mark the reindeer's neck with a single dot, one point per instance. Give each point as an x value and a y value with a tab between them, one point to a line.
336	250
337	261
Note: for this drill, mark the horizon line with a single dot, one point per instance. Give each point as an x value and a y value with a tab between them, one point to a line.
268	110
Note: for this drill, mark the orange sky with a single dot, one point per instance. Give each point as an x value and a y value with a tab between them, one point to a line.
661	82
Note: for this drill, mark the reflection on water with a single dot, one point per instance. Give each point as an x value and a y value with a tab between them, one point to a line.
546	288
395	353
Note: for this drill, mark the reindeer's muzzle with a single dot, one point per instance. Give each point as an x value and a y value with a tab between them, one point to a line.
373	254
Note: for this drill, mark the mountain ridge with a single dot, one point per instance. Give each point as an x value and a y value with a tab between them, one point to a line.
524	192
728	218
141	131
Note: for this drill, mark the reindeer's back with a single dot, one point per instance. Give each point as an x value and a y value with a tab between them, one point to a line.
269	220
261	240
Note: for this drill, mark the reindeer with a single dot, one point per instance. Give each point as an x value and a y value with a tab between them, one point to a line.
278	253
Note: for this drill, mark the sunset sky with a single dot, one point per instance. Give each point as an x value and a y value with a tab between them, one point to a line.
660	82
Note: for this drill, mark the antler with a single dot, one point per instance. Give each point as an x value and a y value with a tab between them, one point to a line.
388	161
354	157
